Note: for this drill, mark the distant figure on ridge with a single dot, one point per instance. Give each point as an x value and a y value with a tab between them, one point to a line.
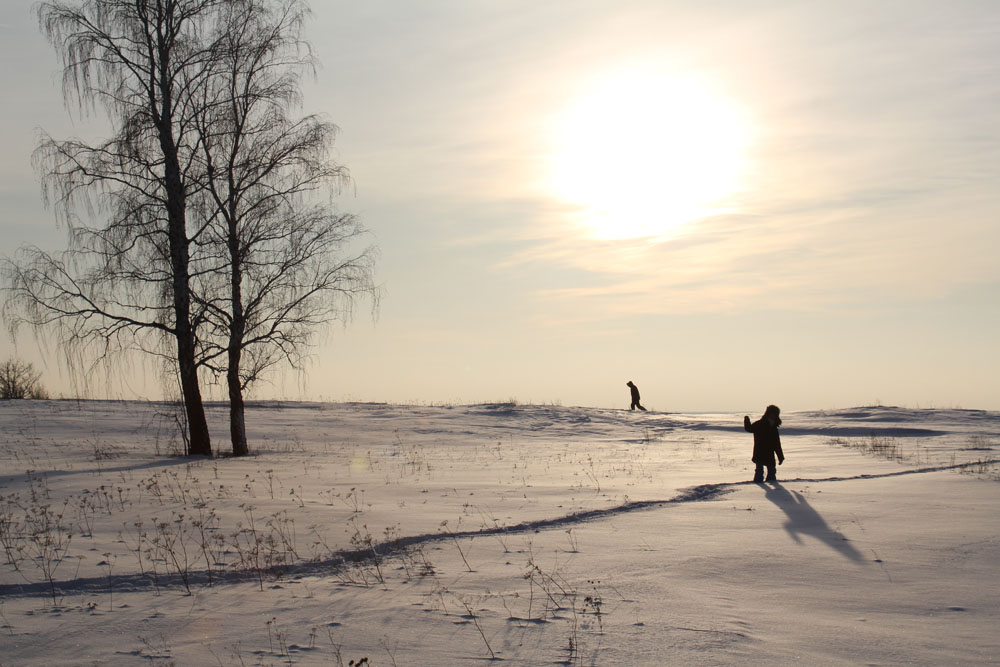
635	396
766	443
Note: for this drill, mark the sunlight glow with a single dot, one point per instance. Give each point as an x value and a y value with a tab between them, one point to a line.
640	154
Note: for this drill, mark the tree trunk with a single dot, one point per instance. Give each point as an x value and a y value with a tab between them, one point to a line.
201	443
237	424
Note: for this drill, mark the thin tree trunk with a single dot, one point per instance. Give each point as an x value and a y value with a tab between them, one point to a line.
237	423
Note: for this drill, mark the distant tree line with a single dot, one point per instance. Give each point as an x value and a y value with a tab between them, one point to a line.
19	379
201	231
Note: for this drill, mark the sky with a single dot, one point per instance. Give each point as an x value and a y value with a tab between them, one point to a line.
731	204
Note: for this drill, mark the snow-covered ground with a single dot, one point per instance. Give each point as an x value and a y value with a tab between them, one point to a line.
412	535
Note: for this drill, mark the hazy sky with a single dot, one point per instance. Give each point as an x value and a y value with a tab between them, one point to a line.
729	203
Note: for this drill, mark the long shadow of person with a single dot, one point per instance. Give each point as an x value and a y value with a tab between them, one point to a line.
804	520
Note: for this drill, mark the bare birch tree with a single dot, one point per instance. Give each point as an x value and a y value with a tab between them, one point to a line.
125	281
286	258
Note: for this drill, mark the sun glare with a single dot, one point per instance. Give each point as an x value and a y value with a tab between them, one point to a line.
639	155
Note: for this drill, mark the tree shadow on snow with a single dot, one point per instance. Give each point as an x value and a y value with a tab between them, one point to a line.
804	520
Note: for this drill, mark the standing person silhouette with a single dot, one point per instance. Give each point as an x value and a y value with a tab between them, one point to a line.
766	443
635	396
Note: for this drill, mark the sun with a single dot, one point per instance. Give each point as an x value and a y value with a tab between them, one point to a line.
640	154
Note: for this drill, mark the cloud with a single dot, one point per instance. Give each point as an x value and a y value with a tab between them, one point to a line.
897	245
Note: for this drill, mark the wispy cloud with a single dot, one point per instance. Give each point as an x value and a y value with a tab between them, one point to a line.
805	257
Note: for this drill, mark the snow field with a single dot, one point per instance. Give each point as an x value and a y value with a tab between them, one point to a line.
533	534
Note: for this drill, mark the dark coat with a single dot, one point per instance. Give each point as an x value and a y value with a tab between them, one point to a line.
635	392
766	442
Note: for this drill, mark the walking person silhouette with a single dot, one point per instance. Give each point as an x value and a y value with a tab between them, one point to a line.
635	396
766	443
